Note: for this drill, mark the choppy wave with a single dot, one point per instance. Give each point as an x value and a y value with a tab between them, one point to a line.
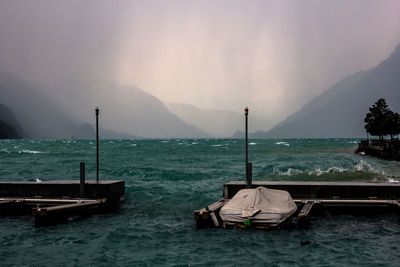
362	166
165	182
30	151
282	143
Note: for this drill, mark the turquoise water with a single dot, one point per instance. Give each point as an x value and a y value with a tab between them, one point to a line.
167	179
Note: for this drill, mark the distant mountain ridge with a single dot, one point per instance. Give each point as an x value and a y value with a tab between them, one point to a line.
9	125
147	116
38	117
219	123
340	110
141	116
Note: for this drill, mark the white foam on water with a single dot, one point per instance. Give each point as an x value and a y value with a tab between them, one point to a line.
362	166
5	150
252	144
282	143
216	145
366	167
289	172
319	172
30	151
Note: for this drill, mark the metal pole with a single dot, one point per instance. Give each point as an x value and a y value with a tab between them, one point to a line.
82	180
246	113
97	144
249	166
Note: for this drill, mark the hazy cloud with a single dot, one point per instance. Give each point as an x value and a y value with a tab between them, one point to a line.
273	56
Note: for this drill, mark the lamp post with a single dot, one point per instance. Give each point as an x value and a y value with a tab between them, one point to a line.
97	144
246	113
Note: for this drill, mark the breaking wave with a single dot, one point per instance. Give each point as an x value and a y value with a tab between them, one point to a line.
282	143
362	166
30	151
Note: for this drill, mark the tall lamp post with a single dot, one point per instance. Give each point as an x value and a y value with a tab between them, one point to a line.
97	144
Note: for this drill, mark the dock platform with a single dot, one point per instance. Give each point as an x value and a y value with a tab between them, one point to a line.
310	196
55	201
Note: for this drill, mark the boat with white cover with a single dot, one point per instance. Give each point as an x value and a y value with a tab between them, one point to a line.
258	206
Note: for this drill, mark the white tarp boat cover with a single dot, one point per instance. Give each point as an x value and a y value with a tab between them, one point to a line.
261	206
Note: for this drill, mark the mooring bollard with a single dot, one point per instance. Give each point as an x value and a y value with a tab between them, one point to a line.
249	175
249	169
82	182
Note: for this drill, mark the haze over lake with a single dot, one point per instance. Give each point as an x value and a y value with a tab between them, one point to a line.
133	59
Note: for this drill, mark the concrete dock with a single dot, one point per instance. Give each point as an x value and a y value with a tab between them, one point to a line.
322	190
351	197
110	189
55	201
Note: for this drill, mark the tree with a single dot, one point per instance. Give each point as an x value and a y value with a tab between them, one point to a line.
381	121
375	118
391	124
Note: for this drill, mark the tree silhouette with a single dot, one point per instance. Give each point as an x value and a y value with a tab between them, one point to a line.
381	121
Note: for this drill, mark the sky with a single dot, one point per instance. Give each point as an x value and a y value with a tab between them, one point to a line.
273	56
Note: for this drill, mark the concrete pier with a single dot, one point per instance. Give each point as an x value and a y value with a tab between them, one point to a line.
112	190
323	190
386	149
351	197
55	201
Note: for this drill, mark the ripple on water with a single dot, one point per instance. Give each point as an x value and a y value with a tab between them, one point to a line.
166	181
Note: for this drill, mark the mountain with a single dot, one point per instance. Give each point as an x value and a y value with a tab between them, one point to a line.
9	125
340	110
42	115
38	116
124	109
85	129
143	114
110	134
219	123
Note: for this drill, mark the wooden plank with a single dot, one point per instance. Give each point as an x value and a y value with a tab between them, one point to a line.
306	209
397	203
38	211
350	201
57	201
47	200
